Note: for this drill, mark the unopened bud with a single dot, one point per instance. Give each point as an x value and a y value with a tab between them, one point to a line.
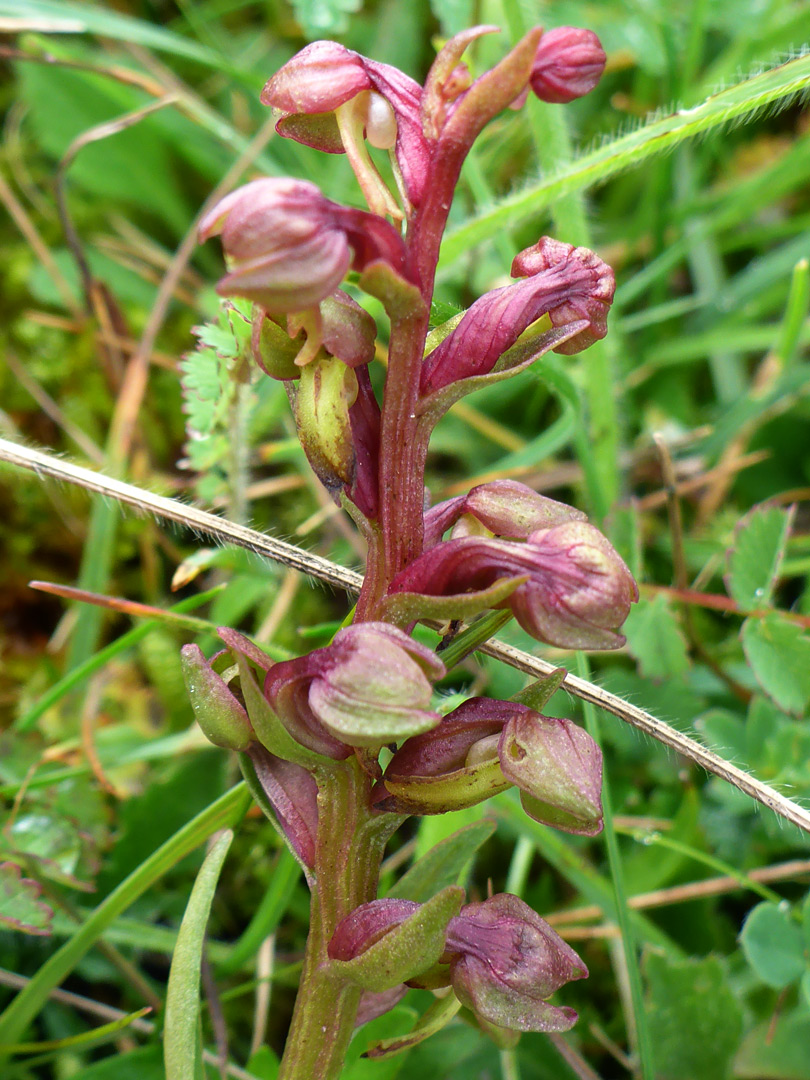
568	64
222	718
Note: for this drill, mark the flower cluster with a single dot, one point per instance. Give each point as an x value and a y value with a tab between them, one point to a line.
359	715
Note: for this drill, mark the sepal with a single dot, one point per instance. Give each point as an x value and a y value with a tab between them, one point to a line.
324	394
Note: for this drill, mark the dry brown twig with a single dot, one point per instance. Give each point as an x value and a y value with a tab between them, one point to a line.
226	532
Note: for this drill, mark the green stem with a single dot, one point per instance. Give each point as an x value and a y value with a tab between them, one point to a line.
643	1044
401	472
351	841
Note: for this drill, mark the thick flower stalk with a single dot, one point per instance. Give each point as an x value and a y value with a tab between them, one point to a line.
340	745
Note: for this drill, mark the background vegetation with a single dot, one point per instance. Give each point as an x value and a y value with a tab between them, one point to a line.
685	432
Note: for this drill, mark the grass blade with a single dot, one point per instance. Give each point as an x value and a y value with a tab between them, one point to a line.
623	913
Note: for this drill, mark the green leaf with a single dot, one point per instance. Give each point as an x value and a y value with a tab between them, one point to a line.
360	1067
89	18
776	1051
443	864
754	558
321	17
143	1064
691	1011
453	15
84	1040
773	945
20	906
52	843
779	654
183	991
406	951
263	1064
655	639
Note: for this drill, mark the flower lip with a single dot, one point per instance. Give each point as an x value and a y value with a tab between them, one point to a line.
505	960
371	686
565	282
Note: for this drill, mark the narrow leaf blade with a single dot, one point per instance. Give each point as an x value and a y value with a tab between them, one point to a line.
183	993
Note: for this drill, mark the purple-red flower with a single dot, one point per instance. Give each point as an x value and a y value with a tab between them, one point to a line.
372	685
569	284
505	961
501	959
577	590
330	98
483	747
288	247
568	64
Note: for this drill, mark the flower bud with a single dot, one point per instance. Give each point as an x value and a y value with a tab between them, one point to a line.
568	64
483	747
558	768
575	593
221	716
451	767
285	245
505	960
500	957
371	686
